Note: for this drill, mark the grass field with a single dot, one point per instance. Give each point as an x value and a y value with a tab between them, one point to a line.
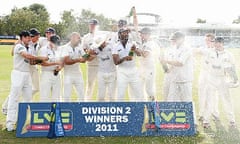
219	134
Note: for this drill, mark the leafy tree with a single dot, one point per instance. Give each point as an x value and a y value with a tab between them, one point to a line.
68	23
201	20
25	18
86	15
18	20
42	15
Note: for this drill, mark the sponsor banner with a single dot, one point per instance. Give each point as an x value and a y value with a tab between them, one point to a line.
109	119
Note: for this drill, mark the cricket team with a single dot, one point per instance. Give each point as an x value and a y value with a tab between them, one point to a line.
119	61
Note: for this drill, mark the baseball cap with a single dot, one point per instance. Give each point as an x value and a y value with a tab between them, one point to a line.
51	30
219	39
55	39
34	32
93	22
24	33
123	30
145	30
122	23
177	35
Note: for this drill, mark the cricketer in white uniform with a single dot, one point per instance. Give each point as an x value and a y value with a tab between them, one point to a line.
33	49
220	61
127	71
147	64
202	80
72	54
132	36
50	82
106	71
20	79
43	41
180	71
92	66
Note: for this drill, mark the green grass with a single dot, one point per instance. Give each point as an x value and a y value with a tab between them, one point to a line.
220	133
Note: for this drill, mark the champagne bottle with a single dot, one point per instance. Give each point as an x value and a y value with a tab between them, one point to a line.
86	56
131	53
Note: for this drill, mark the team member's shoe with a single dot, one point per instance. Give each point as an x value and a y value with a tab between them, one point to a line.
4	111
11	127
206	125
232	124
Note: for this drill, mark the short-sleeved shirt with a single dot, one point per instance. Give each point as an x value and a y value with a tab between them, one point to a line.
43	42
204	62
218	61
54	55
34	48
149	61
19	62
182	55
105	59
73	53
122	51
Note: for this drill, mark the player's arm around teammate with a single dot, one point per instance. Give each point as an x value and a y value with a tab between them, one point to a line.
20	79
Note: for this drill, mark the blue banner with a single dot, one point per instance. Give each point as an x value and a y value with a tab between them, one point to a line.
109	119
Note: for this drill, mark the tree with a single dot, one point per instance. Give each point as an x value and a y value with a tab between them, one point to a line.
18	20
201	20
86	15
42	15
68	23
25	18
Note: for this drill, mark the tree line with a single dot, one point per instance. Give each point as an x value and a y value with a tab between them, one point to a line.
37	16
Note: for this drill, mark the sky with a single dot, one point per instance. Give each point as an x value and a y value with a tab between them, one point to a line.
171	11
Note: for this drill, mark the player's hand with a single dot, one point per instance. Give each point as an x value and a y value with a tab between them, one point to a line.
58	68
133	48
32	62
128	58
91	52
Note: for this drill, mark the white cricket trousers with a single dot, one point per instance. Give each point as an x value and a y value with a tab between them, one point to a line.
35	85
35	79
106	86
50	85
131	78
203	95
70	80
166	85
180	92
92	71
219	85
21	83
148	84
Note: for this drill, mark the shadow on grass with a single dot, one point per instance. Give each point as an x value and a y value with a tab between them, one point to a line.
223	136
